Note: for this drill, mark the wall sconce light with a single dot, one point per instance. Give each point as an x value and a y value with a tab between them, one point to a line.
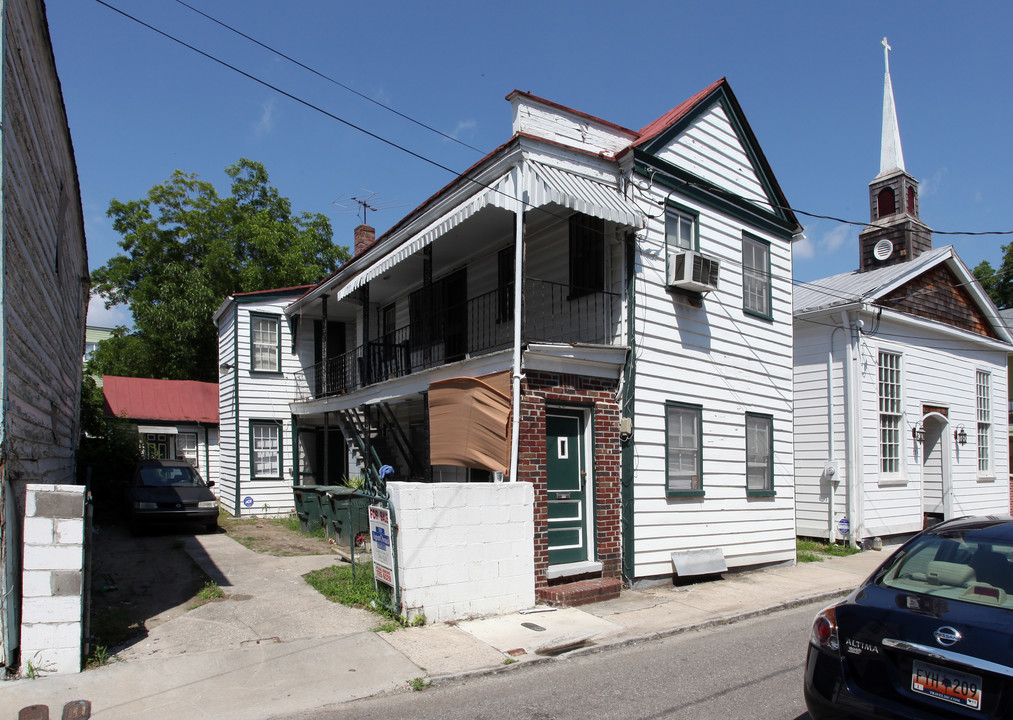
224	368
918	433
960	435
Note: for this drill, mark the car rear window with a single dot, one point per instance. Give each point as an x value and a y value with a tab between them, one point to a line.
169	477
958	568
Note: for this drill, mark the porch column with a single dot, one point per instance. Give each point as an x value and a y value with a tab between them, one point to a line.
324	369
327	446
515	430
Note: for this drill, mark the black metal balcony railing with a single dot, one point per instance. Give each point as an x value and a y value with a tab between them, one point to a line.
553	312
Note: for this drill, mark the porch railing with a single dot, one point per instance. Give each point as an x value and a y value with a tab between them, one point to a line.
554	312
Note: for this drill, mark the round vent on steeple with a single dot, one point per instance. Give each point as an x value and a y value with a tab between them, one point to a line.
883	249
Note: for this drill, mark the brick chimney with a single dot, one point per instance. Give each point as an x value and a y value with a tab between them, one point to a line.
365	236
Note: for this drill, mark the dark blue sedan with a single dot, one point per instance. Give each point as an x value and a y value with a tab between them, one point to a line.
169	492
928	635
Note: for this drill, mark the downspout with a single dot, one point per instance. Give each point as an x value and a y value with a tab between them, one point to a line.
515	429
852	423
832	479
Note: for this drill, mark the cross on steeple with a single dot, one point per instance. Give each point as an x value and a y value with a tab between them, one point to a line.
886	53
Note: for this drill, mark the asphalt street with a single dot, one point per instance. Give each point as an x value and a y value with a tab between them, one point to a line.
741	671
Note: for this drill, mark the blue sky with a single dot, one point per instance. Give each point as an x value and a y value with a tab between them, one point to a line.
809	76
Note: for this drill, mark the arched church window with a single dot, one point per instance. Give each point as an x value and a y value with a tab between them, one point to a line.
886	202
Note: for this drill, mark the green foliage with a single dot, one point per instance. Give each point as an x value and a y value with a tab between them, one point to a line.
185	249
210	591
809	550
353	586
98	657
997	286
418	684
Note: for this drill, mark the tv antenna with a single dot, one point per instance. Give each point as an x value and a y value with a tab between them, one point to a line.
363	203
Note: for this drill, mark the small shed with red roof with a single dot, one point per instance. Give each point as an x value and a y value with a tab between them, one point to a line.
175	419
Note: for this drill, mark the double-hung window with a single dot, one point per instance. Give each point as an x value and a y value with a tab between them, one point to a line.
759	454
890	413
265	343
680	230
983	384
683	463
186	447
756	276
265	449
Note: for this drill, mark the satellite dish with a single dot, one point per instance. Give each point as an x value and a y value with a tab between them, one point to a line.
883	249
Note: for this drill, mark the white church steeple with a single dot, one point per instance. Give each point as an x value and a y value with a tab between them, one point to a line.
891	153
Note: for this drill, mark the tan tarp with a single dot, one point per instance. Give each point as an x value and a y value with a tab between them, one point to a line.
469	422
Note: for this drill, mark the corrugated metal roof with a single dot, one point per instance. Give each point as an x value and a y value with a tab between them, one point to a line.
165	400
853	286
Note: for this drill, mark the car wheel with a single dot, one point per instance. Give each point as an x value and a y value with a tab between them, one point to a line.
211	527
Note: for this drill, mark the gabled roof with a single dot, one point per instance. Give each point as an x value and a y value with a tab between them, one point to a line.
654	137
175	401
875	286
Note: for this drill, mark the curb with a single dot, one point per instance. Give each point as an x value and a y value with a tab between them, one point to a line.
449	678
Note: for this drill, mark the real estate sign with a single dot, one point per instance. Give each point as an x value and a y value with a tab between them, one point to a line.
381	538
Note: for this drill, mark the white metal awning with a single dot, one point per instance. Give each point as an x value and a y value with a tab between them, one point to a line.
157	430
542	184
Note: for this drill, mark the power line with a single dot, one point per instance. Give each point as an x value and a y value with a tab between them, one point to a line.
327	77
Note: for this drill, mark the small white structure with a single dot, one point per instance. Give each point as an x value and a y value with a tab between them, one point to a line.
900	379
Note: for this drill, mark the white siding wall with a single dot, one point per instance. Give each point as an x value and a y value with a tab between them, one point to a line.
936	371
814	490
710	146
228	470
731	363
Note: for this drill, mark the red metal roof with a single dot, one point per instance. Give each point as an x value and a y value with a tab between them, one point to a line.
164	400
675	114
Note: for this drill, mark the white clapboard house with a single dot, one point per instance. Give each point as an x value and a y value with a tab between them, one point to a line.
900	379
600	314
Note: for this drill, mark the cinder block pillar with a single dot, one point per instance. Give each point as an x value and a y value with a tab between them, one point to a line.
52	609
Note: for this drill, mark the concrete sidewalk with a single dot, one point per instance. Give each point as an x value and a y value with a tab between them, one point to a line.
275	647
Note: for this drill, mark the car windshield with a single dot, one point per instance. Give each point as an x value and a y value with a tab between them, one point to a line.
968	568
169	477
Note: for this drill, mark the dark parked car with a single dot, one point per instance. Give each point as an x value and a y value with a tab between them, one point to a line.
928	635
170	492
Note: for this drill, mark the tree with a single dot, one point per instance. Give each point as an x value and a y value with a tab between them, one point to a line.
996	285
185	249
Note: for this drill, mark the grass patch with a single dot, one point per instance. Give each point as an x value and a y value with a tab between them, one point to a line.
98	657
809	550
337	584
419	684
210	591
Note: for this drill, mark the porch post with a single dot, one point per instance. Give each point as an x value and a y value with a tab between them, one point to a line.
327	448
324	379
515	430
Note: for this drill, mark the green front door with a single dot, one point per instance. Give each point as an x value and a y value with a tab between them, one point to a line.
566	487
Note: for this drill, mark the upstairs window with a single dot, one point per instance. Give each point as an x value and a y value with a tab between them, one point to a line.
587	255
889	413
983	383
680	230
756	276
265	341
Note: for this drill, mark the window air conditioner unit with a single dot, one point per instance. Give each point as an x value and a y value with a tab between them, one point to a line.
689	270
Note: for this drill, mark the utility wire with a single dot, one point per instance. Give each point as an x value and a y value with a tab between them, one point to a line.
709	186
328	78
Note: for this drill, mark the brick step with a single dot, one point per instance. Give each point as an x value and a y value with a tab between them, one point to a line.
581	592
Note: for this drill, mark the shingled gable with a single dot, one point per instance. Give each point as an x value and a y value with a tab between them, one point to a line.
652	149
935	286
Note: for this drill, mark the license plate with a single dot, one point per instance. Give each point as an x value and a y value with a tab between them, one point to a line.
945	684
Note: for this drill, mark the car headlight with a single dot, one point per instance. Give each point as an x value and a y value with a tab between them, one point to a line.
145	505
207	504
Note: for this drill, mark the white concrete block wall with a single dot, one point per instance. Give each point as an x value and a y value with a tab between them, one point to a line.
464	549
52	608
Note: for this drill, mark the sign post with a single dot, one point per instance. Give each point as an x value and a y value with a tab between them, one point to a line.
380	535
